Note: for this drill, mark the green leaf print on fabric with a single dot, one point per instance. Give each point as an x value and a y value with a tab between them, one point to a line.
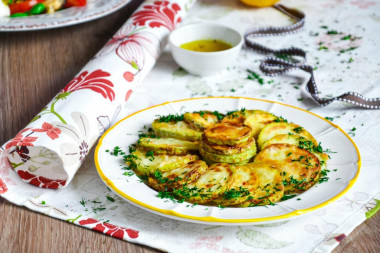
277	224
374	210
260	240
197	86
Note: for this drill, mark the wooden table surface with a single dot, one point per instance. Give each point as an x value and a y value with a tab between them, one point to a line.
34	67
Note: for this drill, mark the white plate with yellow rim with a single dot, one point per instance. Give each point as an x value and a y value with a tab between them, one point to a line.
71	16
344	164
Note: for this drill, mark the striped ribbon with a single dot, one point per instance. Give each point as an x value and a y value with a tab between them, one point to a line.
274	66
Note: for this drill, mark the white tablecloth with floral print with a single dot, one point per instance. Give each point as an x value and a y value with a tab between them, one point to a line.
342	41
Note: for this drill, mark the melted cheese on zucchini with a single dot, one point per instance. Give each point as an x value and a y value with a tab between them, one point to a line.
169	146
178	130
299	168
290	159
228	134
277	128
227	149
211	184
146	163
301	142
254	184
200	120
236	158
256	119
177	177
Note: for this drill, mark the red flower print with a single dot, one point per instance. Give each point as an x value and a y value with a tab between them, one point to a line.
41	181
208	242
5	167
95	81
362	4
20	140
88	221
339	238
3	187
23	152
51	131
128	76
130	43
160	13
110	229
129	93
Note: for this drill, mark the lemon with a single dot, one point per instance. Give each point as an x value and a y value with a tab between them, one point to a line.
260	3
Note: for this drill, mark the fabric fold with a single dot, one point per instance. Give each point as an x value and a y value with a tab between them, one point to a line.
50	149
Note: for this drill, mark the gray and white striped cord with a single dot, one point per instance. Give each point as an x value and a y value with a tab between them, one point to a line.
274	66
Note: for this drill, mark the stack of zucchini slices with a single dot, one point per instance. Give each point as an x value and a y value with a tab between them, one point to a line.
209	158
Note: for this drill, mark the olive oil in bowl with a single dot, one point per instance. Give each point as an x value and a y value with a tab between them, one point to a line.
204	49
206	45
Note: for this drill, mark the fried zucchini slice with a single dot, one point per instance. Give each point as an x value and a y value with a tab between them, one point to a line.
277	128
227	149
236	158
175	178
168	146
228	134
200	120
146	162
299	167
256	119
237	117
301	142
214	182
177	130
254	184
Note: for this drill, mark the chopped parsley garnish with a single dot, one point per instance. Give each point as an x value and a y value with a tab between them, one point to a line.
150	155
82	202
286	197
128	173
236	193
298	130
352	132
117	151
218	115
280	119
323	176
346	50
110	199
323	48
254	76
332	32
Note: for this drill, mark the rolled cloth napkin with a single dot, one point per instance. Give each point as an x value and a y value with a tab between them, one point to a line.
50	149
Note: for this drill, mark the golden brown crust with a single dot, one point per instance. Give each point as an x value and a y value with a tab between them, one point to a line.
228	134
178	177
200	120
277	128
227	149
299	168
253	184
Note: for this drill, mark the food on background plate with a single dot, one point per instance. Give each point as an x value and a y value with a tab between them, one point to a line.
239	159
24	8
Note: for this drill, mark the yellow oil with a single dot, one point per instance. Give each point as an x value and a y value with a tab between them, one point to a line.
206	45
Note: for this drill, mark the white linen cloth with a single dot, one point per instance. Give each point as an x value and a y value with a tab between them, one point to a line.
345	60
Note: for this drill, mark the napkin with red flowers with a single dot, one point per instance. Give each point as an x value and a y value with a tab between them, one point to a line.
50	149
343	56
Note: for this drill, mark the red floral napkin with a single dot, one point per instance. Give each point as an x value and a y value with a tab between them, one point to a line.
50	149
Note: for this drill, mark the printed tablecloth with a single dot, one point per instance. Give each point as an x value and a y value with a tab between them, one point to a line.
342	44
